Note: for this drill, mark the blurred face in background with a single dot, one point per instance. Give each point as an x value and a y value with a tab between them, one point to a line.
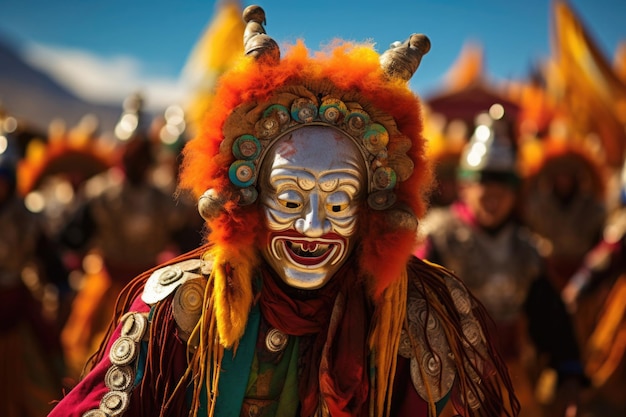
491	202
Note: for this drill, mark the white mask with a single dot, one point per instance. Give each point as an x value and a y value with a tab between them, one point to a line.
312	182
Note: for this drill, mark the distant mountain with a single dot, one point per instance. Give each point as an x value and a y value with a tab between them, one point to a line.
34	97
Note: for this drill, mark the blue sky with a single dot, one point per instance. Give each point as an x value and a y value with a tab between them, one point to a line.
147	42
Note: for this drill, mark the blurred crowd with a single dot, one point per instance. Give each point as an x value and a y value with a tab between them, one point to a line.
529	209
81	212
529	206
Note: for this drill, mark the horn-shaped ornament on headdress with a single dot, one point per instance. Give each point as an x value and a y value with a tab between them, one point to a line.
256	42
401	60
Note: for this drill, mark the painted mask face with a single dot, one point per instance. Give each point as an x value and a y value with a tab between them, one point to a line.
312	182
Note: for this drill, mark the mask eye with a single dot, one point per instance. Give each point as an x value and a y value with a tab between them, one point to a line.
337	202
290	200
336	208
289	204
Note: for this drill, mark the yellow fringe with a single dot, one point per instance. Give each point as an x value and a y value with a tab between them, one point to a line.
228	298
233	270
384	341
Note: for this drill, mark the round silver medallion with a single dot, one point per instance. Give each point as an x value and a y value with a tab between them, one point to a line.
123	351
170	275
134	326
114	403
119	378
275	341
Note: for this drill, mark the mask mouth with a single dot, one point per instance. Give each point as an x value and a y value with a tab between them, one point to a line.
309	253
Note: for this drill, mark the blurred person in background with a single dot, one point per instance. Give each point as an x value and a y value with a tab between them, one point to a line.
30	270
51	175
169	134
125	224
565	193
480	238
596	293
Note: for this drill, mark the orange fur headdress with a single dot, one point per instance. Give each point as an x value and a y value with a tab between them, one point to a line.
351	87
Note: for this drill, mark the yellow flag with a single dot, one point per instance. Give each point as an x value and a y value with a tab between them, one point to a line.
468	68
591	88
579	54
219	47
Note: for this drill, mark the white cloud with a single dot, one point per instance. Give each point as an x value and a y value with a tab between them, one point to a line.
103	80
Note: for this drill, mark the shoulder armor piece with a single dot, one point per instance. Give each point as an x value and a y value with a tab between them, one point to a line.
426	342
426	345
187	307
165	280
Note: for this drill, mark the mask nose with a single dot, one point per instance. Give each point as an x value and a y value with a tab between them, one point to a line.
313	223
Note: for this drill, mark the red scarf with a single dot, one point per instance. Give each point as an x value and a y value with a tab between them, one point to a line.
335	363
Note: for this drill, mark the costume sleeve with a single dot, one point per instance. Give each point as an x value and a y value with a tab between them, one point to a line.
108	386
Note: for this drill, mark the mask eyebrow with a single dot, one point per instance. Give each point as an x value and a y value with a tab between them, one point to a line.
292	177
286	175
333	180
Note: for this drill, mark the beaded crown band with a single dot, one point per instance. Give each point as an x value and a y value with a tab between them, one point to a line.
277	120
